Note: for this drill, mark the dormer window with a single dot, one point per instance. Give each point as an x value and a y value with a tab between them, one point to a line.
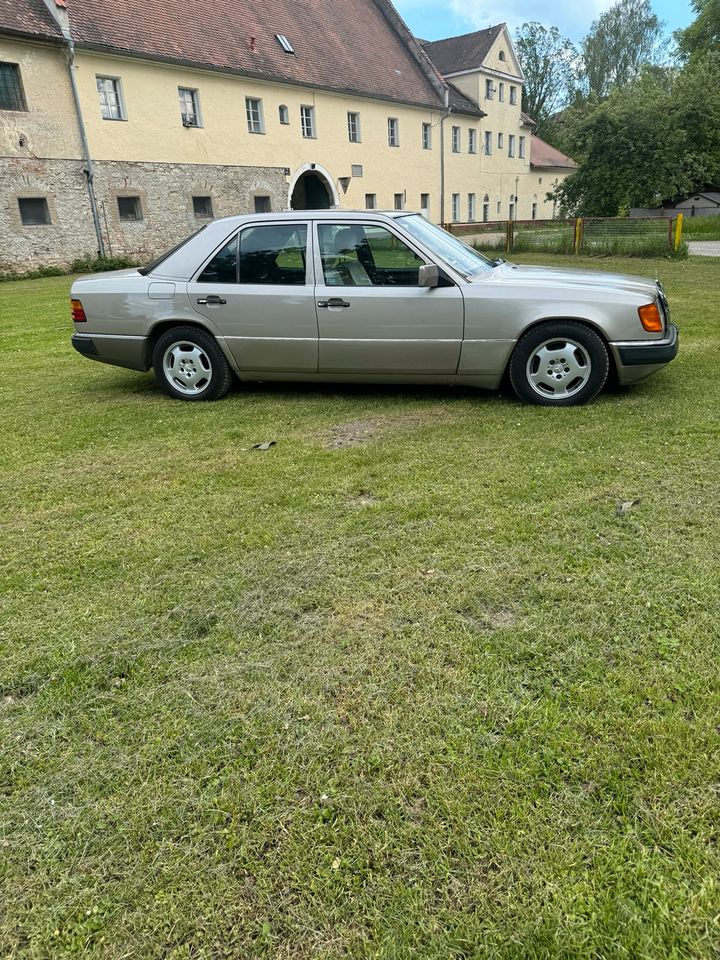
284	43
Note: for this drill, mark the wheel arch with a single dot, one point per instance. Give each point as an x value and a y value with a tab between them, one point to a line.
162	326
590	324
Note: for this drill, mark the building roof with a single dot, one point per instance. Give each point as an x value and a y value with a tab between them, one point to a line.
466	52
543	155
379	58
459	103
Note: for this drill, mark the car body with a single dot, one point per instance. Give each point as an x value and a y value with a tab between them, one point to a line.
368	296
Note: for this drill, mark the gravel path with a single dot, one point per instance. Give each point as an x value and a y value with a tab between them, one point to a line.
704	248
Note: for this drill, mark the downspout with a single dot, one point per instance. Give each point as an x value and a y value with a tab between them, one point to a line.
445	114
89	170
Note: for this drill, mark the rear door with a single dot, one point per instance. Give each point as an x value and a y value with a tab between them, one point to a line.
258	291
373	317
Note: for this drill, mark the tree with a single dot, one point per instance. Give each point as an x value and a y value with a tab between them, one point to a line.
620	43
547	60
654	140
703	34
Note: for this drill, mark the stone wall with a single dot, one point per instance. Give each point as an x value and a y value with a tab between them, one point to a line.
165	192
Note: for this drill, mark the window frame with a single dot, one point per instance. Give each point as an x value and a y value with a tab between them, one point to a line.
501	92
353	122
284	115
203	216
472	140
46	210
119	96
195	95
489	89
455	208
427	136
521	148
138	206
472	207
456	140
393	131
312	134
373	205
500	141
402	201
19	91
513	95
250	119
488	145
511	145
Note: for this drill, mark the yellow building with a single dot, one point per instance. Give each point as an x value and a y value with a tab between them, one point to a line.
125	126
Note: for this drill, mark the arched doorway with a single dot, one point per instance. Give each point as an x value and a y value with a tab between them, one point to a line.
312	189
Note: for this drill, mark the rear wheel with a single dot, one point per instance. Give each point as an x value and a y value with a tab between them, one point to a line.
559	364
189	365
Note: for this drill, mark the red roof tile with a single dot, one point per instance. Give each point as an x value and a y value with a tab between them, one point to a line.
28	17
543	155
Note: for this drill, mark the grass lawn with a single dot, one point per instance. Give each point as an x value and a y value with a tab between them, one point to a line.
403	686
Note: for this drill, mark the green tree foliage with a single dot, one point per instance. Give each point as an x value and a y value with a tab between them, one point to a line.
547	61
620	43
703	34
656	139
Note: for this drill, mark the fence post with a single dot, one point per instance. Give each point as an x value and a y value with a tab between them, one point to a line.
678	231
577	243
509	236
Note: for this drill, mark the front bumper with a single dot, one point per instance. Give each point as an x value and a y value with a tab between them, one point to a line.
638	360
130	352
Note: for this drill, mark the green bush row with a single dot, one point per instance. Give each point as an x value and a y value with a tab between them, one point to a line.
83	265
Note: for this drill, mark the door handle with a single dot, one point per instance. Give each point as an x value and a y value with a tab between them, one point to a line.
333	302
211	300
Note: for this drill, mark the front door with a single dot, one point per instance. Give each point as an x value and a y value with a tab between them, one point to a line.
372	315
258	291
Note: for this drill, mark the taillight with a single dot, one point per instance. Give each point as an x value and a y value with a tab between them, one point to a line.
650	318
78	313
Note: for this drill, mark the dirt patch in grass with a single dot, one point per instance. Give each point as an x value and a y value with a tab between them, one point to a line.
358	432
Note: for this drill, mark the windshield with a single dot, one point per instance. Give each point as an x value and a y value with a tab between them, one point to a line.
463	258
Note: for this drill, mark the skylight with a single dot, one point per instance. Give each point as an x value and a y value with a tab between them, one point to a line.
284	43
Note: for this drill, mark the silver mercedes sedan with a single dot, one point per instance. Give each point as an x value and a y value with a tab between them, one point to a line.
367	296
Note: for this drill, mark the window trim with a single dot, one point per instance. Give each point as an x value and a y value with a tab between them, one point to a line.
195	93
521	148
456	140
43	223
198	196
513	96
488	145
455	207
261	115
374	201
353	119
472	140
119	94
313	127
511	145
283	111
426	141
396	132
20	88
139	207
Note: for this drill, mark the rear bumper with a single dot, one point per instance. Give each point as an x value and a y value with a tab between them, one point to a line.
130	352
635	361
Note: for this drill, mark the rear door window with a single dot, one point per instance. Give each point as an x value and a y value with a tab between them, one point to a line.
268	254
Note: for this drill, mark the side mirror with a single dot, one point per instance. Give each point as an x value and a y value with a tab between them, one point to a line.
428	275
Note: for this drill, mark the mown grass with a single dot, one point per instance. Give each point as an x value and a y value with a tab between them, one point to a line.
403	686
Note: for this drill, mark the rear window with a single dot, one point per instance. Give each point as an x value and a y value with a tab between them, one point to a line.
168	253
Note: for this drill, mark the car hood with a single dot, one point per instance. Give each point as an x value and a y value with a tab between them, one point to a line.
571	278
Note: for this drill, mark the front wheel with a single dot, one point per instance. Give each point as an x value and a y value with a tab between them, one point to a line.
189	365
559	364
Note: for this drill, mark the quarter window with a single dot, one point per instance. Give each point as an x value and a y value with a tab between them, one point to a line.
129	208
254	113
12	95
353	127
269	254
202	208
307	122
189	107
393	132
364	255
34	211
112	106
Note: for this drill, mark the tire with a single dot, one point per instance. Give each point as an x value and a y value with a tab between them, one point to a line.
189	365
560	363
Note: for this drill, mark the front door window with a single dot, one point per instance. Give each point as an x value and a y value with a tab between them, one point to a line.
366	255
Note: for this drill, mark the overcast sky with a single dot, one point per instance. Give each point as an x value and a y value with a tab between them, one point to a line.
433	19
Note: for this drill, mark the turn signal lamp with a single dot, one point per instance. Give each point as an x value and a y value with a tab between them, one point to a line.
650	318
78	313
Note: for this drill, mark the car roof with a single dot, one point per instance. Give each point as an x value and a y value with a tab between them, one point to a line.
333	214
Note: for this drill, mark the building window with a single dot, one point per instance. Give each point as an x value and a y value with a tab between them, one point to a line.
472	141
511	211
500	141
424	203
189	107
471	206
284	43
513	95
489	90
284	114
112	105
456	139
393	132
370	201
501	92
498	208
262	204
501	55
356	170
34	211
521	146
427	136
307	122
129	208
254	113
12	95
488	142
456	207
534	211
486	208
399	201
202	208
511	145
354	127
